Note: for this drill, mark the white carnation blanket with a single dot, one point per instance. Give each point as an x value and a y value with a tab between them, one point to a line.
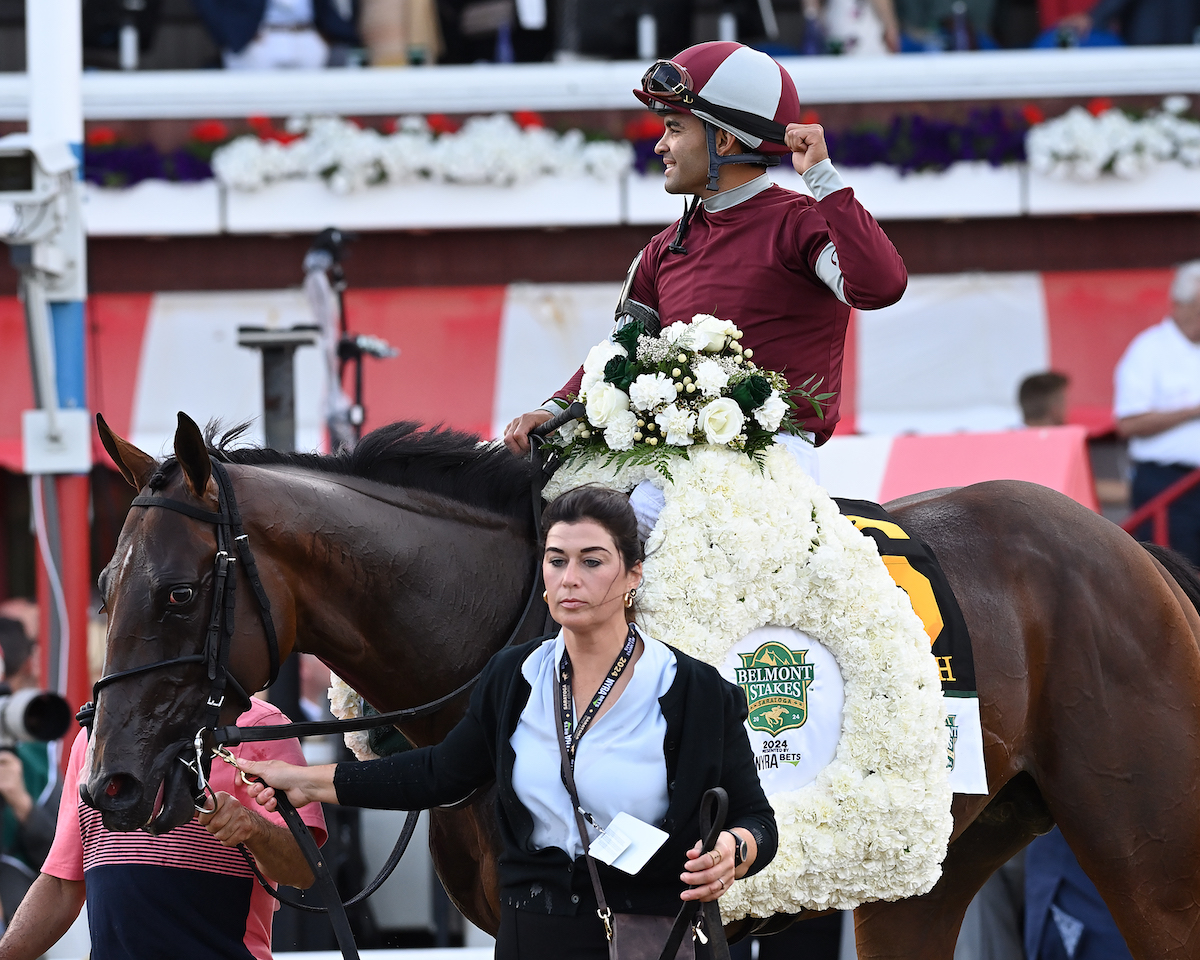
737	548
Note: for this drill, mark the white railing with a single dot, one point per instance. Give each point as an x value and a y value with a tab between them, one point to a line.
989	75
965	190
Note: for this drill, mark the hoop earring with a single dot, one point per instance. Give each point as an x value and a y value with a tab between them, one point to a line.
630	597
546	596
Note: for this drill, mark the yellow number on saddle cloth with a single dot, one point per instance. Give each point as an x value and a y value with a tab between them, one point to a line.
915	584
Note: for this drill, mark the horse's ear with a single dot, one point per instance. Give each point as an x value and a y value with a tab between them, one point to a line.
135	466
192	455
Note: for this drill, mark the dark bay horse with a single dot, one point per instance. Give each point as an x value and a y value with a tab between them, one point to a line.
405	565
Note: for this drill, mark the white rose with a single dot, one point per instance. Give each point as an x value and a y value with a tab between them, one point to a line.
721	420
600	354
770	414
618	434
604	401
677	425
710	378
651	389
709	332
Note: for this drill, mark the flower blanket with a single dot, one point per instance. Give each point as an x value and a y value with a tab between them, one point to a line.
738	547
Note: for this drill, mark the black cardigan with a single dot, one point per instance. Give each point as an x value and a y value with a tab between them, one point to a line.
705	746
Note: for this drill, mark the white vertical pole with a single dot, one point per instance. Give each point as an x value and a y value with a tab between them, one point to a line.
647	32
54	58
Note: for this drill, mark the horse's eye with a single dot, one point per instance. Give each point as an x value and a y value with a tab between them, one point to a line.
180	595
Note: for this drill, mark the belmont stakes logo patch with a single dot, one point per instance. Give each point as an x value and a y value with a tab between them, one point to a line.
775	681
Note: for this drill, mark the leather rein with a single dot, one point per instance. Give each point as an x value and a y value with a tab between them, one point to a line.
233	546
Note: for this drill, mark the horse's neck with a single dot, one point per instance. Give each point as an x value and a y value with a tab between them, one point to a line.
404	595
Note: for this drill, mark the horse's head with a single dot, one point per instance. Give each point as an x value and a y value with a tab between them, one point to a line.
159	589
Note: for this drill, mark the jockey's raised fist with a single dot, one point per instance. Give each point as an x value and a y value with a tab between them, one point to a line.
807	141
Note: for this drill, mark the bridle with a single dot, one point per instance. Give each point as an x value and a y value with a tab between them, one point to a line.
233	547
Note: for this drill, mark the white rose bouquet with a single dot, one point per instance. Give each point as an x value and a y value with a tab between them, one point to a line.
649	398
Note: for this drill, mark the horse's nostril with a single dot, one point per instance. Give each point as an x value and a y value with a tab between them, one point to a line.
113	787
116	785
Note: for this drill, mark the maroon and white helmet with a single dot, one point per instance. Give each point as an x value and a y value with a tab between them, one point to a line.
732	86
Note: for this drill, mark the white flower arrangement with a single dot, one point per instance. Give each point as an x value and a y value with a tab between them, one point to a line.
487	150
1080	146
736	548
649	398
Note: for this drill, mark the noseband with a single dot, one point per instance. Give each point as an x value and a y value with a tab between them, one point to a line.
233	546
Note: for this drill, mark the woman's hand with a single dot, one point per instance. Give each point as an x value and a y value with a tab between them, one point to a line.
709	874
301	784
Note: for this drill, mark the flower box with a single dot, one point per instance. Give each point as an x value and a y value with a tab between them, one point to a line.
304	205
965	189
1169	186
153	208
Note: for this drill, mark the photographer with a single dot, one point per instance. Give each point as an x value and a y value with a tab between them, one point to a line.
28	782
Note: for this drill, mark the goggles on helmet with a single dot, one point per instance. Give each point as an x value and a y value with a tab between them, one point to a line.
667	80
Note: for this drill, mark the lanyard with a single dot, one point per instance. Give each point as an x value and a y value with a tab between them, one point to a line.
573	732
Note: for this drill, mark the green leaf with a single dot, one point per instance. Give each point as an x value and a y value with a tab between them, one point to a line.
628	335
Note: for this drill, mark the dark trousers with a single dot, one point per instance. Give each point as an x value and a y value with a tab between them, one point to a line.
1183	518
533	936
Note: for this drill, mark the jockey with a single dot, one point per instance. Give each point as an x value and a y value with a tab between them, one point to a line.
784	266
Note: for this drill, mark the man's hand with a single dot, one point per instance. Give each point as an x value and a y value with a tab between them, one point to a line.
516	434
12	785
807	142
274	847
231	823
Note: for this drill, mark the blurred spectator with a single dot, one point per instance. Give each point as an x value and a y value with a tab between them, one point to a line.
278	34
1140	22
400	32
931	25
1043	399
496	30
1064	914
1157	408
856	27
19	608
28	781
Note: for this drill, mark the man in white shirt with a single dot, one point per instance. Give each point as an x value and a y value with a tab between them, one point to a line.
277	34
1157	407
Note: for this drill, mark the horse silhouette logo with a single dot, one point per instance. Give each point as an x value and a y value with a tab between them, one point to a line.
775	681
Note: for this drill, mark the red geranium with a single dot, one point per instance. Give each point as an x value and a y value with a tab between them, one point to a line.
265	130
528	119
1033	114
810	116
210	131
646	127
440	123
1099	105
101	137
390	125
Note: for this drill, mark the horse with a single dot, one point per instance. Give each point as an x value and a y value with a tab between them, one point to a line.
404	566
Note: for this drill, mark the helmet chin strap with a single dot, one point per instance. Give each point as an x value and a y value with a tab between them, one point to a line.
716	161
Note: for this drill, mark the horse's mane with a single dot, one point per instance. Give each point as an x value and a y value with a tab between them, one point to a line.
452	464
